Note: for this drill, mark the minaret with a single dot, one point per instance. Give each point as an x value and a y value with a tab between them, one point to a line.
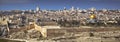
72	8
37	8
64	8
78	8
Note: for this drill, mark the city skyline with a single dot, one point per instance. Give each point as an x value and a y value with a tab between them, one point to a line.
58	4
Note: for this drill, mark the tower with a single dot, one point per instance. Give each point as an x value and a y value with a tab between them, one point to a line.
72	8
65	8
37	8
104	10
93	9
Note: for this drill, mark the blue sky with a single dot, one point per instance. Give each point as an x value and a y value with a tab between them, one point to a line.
58	4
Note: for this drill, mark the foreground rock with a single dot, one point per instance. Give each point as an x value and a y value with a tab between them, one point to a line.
69	35
28	34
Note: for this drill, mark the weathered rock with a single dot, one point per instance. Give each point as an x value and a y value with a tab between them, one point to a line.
25	34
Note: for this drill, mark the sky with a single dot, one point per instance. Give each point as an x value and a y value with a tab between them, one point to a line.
58	4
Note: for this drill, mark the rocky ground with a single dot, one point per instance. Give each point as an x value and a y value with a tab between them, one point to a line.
35	36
